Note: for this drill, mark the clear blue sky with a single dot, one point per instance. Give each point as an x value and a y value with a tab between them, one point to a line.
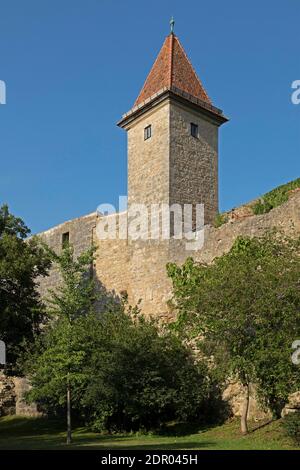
72	67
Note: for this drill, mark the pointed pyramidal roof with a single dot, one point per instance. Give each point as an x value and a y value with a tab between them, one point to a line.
172	68
172	77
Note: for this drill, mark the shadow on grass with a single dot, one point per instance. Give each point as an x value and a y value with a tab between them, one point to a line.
12	426
43	433
263	425
183	429
99	444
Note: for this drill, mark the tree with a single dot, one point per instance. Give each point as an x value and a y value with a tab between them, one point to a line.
55	368
140	376
245	306
124	373
21	263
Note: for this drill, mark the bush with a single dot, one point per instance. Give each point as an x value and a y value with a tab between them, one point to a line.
245	309
275	198
141	378
262	207
126	374
291	426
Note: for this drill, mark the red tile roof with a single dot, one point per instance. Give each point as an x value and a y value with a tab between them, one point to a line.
172	68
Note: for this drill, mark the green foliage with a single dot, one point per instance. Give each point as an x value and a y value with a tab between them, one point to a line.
58	356
76	294
125	375
262	206
122	372
140	378
275	198
220	219
291	426
11	225
56	361
246	309
21	263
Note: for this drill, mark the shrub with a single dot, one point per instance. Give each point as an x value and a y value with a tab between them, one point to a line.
262	207
141	378
291	426
275	198
244	306
126	374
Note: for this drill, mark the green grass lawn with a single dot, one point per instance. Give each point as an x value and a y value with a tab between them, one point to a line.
40	433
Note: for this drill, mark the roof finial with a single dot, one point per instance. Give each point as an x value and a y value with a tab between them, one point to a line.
172	23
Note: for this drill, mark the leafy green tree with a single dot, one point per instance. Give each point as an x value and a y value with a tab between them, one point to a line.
21	263
124	373
56	367
140	376
76	294
245	307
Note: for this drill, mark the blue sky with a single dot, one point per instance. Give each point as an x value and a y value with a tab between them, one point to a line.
73	67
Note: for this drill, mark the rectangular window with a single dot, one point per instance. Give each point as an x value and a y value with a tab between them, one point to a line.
147	132
194	130
65	240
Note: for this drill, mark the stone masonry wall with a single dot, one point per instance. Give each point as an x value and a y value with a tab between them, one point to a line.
7	396
172	166
193	161
80	236
12	392
139	267
148	160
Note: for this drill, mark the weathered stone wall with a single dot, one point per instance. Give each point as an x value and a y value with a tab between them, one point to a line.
7	396
12	393
148	160
172	166
80	236
234	396
218	241
21	386
193	161
139	267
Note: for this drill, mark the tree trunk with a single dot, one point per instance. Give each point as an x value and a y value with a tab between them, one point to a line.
69	428
244	416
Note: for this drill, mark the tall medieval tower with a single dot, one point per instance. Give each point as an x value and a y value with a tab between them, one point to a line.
173	136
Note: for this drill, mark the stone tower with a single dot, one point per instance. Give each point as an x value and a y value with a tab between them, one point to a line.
173	136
